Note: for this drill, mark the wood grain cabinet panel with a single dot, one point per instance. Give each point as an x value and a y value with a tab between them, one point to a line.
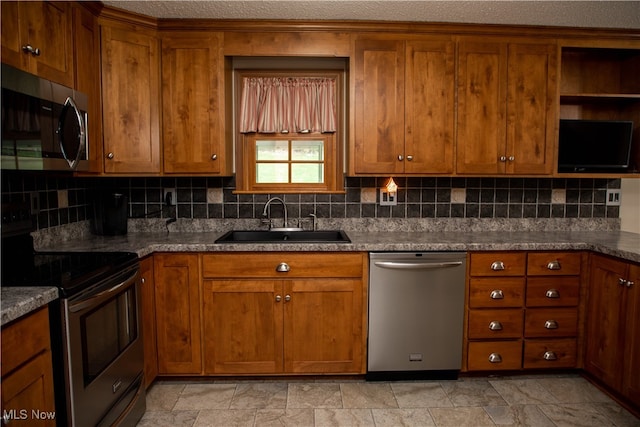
404	106
613	346
498	264
193	100
494	292
494	355
506	107
553	263
130	101
27	373
178	305
42	25
308	320
495	324
553	291
149	336
548	354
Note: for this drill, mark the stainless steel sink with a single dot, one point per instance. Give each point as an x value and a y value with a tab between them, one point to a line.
282	236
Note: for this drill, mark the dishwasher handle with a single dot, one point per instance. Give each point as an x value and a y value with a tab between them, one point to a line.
416	265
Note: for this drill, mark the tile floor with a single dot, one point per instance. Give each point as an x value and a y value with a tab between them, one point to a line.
511	401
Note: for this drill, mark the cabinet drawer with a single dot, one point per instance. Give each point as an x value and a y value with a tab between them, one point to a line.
559	353
553	291
557	322
24	339
493	292
261	264
495	324
497	264
553	263
494	355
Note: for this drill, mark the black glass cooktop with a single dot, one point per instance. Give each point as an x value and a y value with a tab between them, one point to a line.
69	271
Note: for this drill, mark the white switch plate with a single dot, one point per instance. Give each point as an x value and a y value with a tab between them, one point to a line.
386	199
613	197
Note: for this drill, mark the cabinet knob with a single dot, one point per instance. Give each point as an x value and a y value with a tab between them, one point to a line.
511	158
554	265
278	298
143	280
495	358
409	158
214	157
283	267
110	156
551	324
287	298
552	293
495	326
497	294
30	49
497	266
622	282
400	157
549	355
630	283
503	158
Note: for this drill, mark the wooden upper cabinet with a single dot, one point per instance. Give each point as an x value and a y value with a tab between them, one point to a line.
130	101
404	106
86	35
41	25
193	101
379	106
506	108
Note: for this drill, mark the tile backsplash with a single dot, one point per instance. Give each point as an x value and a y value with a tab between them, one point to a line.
65	199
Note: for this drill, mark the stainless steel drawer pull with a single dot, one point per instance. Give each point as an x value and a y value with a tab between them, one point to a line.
551	324
497	294
283	267
622	282
554	265
497	266
549	355
495	358
630	283
495	326
552	293
30	49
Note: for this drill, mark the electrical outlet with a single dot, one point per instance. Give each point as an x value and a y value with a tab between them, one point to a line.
388	199
170	196
613	197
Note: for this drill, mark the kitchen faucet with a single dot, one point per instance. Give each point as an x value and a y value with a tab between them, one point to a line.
266	212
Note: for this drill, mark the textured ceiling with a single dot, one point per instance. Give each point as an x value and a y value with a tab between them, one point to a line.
600	14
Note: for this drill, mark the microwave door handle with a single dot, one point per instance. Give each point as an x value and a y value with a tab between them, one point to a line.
69	103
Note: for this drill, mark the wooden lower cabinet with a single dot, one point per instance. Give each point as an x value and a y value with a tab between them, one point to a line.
27	374
613	328
148	321
177	296
308	320
523	310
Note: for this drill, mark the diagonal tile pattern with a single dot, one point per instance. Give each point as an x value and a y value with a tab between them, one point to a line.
537	401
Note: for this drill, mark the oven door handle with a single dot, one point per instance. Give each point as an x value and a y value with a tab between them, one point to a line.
416	265
104	295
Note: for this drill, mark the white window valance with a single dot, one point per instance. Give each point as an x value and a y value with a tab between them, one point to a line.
288	104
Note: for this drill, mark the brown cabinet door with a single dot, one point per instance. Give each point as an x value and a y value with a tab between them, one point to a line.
243	326
482	94
605	320
42	25
631	379
379	67
86	33
130	98
531	108
193	104
177	292
148	321
429	107
323	327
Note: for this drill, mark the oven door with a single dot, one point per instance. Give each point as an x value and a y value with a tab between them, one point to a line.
105	353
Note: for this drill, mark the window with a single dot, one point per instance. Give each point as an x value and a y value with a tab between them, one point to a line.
287	151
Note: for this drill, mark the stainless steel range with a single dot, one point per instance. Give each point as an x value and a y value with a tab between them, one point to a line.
95	327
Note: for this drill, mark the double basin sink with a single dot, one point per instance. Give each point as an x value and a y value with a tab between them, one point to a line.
284	236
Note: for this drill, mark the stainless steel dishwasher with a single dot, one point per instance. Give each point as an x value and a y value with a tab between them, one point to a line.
416	312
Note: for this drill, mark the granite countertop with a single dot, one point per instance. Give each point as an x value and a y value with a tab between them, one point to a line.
19	301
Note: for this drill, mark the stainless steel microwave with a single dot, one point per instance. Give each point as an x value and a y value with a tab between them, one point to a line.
44	124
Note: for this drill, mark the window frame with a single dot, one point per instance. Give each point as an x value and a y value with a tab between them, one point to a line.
333	146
